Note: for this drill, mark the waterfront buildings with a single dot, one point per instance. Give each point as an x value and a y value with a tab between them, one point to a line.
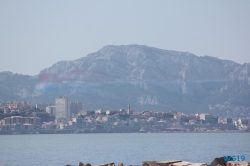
58	117
19	122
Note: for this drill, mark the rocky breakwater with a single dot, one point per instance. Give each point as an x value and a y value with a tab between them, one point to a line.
216	162
107	164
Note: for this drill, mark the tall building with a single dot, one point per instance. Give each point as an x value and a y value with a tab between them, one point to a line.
75	107
51	110
129	110
42	106
62	108
211	119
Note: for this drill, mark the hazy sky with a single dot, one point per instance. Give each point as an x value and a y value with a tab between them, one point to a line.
36	34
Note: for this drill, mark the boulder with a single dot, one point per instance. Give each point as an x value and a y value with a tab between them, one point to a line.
80	164
218	162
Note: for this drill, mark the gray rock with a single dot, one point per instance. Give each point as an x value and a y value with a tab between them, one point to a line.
80	164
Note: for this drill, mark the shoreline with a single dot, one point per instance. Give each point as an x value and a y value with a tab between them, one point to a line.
66	131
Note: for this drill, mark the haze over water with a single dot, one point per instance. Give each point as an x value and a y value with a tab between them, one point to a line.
128	148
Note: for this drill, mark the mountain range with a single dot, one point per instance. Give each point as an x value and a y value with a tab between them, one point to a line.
143	77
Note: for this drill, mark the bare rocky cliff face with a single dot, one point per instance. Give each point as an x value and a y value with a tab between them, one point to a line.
144	77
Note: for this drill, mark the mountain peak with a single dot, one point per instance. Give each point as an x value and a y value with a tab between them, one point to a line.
138	62
147	77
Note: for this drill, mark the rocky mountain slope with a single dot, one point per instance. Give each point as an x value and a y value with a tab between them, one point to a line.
144	77
15	86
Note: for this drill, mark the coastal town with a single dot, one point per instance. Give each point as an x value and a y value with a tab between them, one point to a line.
20	117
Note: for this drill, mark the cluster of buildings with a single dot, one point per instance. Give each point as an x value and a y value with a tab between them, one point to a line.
19	122
70	117
15	106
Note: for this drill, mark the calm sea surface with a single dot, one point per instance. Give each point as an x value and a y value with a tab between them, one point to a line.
62	149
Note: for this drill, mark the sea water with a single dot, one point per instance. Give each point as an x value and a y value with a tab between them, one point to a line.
126	148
